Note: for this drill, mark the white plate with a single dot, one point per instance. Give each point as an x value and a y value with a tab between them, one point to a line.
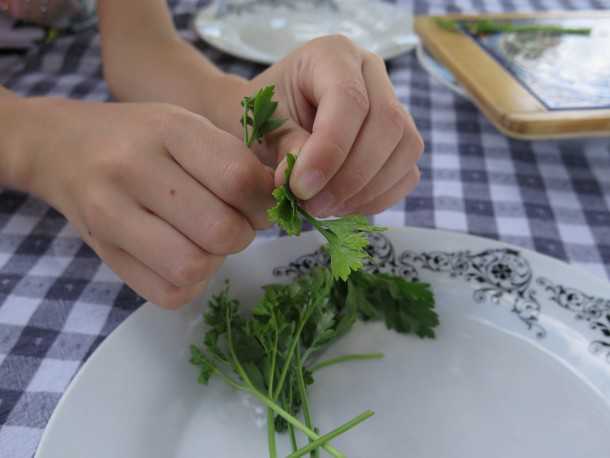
520	366
439	72
266	32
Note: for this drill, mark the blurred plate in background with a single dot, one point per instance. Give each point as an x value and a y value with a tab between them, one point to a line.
266	31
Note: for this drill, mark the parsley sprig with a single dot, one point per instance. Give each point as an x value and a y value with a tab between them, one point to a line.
488	26
347	237
273	352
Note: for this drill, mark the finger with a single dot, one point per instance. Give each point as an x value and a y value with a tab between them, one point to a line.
393	195
122	222
145	281
222	164
380	134
394	170
290	142
177	198
335	85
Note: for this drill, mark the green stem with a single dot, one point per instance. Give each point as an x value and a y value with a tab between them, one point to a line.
293	438
295	341
240	370
269	403
331	435
264	399
270	418
303	394
250	388
292	420
271	434
345	358
247	141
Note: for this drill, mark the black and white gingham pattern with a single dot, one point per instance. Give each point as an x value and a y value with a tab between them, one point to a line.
58	301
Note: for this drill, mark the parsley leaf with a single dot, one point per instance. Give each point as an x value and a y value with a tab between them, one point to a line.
407	307
257	119
347	237
285	213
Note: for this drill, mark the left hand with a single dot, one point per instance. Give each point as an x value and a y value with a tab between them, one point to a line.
357	145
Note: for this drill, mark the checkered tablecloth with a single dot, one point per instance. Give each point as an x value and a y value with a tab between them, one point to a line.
58	301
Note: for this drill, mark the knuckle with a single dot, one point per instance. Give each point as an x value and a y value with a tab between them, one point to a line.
172	297
192	268
394	115
335	42
416	174
419	145
97	211
342	41
355	90
376	58
229	233
354	180
239	176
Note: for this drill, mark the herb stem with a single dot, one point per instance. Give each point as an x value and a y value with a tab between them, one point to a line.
244	118
304	398
344	359
268	402
295	342
293	438
292	420
331	435
271	433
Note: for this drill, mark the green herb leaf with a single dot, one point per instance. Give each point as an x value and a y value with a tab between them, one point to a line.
488	26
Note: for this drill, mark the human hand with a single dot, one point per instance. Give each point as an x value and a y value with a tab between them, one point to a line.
158	192
358	146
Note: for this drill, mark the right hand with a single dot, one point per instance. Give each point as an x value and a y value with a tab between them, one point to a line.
160	193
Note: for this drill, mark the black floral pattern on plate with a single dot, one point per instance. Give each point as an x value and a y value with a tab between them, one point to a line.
501	276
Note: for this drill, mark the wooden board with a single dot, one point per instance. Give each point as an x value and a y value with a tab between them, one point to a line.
506	85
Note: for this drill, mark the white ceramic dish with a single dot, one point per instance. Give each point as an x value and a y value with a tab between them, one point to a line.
520	366
265	33
439	72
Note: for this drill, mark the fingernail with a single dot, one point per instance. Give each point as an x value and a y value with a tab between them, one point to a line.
308	184
322	205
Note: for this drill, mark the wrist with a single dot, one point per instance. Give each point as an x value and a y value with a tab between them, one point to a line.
221	105
31	130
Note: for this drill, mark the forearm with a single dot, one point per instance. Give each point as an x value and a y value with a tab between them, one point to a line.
152	63
13	122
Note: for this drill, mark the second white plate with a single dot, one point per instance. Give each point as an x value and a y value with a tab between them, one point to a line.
265	32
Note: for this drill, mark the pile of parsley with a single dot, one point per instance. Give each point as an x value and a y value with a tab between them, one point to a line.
272	352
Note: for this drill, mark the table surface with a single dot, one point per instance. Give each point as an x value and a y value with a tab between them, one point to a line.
58	301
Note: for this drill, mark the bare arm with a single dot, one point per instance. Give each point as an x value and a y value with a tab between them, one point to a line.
145	59
13	127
